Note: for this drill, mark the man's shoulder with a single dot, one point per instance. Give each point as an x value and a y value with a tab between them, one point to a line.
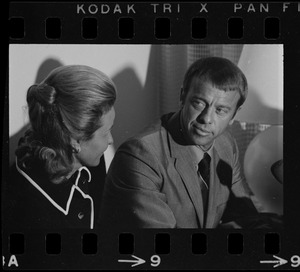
154	134
147	142
151	143
150	132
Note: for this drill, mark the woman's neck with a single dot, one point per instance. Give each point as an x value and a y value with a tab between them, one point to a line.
76	166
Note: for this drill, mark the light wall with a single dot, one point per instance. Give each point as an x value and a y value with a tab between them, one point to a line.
263	67
117	61
25	60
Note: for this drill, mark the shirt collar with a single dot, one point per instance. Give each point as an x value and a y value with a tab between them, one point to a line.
199	152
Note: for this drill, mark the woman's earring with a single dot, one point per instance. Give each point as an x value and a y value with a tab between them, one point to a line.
76	150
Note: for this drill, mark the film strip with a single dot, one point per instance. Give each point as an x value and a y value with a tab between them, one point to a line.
148	37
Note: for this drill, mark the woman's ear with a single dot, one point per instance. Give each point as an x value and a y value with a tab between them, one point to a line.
75	146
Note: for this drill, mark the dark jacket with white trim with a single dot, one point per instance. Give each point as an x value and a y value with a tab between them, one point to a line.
31	201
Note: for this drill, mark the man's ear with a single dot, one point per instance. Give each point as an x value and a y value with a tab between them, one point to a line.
182	96
233	117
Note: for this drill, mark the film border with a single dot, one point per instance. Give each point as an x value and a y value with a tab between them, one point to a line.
180	257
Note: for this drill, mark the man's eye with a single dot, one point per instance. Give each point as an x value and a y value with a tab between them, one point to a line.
222	111
198	104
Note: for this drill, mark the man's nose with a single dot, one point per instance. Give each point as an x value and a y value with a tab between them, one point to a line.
206	116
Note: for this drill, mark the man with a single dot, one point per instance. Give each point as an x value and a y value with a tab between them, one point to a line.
184	172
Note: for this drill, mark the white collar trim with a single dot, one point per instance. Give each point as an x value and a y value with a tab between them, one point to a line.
73	188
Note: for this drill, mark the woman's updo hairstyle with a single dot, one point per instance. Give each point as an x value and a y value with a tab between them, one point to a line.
68	103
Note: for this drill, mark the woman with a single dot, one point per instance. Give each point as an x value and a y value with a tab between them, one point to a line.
71	115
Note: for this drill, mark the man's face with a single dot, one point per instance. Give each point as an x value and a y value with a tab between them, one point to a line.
206	113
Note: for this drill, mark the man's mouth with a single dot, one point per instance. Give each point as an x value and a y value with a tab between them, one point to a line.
202	132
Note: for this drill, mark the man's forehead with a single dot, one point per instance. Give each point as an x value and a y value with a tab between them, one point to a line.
200	88
199	84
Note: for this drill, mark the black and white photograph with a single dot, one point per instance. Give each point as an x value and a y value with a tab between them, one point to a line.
145	118
124	143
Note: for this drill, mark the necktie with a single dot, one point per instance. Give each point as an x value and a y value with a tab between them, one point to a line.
204	170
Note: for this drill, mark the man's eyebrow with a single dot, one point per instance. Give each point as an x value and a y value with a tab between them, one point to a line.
200	98
197	97
224	106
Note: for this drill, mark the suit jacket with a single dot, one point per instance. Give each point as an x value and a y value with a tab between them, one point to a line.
153	183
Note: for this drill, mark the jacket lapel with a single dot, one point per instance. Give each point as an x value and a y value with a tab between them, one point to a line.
186	170
184	165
